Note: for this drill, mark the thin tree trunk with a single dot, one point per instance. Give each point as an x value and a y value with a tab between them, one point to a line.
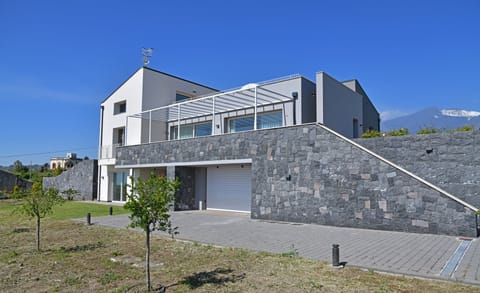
147	259
38	233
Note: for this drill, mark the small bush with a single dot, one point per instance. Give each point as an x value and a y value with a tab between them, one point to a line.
70	193
399	132
57	171
465	128
17	192
371	133
428	130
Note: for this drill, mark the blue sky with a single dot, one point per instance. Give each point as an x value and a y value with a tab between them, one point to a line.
60	59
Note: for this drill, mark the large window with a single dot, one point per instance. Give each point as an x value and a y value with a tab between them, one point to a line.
120	186
120	107
264	120
269	120
191	130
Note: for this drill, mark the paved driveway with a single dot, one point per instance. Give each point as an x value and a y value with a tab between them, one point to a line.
432	256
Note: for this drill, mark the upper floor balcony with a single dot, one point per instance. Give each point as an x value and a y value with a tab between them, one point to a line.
108	151
251	107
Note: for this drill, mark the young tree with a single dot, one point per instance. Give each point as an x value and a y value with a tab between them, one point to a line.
19	168
150	201
39	202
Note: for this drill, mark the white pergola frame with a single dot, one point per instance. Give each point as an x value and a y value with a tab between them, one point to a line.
246	97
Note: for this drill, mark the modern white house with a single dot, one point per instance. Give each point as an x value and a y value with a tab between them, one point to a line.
152	107
282	150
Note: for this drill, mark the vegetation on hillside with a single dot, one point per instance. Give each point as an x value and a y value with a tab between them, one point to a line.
371	133
33	173
428	130
404	131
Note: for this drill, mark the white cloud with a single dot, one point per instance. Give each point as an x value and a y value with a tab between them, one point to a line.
391	114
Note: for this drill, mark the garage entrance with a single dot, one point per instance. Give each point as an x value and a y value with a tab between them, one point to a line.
229	187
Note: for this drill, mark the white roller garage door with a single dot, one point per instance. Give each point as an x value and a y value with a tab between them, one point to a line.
229	187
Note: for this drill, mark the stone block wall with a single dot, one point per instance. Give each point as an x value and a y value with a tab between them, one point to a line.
306	174
449	160
82	177
185	198
9	180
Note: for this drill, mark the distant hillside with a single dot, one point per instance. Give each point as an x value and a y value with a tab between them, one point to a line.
434	117
10	168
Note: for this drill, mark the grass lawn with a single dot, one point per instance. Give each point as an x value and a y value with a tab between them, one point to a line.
79	209
80	258
70	209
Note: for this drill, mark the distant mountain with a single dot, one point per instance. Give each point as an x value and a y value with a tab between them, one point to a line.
434	117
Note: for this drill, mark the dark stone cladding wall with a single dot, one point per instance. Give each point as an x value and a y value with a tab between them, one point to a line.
184	199
331	181
449	160
82	177
9	180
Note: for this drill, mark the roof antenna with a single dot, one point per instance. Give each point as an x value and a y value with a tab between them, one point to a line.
147	53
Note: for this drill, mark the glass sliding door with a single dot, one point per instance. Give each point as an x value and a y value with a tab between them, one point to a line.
120	186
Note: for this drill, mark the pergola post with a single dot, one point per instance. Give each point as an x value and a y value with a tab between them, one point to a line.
255	109
150	127
178	128
213	115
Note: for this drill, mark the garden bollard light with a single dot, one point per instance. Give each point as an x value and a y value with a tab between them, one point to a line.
89	222
110	211
335	255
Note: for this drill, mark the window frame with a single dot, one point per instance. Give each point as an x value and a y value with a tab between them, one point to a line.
230	119
119	106
174	130
184	95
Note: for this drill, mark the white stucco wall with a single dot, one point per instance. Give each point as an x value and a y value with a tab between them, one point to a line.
131	92
338	105
160	90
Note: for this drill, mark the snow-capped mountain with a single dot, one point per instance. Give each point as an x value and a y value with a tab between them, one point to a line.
434	117
460	113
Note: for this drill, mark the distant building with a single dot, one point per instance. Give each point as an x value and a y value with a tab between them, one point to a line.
65	163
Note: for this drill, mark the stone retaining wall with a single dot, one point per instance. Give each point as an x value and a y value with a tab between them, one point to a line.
449	160
9	180
82	177
306	174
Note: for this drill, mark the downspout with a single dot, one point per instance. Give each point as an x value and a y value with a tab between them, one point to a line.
99	175
294	106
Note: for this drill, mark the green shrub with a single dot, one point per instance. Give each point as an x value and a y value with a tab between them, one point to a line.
465	128
399	132
17	192
428	130
70	193
371	133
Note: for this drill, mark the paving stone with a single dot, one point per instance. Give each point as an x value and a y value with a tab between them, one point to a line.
397	252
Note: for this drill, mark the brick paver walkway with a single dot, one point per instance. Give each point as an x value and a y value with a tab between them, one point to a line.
403	253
